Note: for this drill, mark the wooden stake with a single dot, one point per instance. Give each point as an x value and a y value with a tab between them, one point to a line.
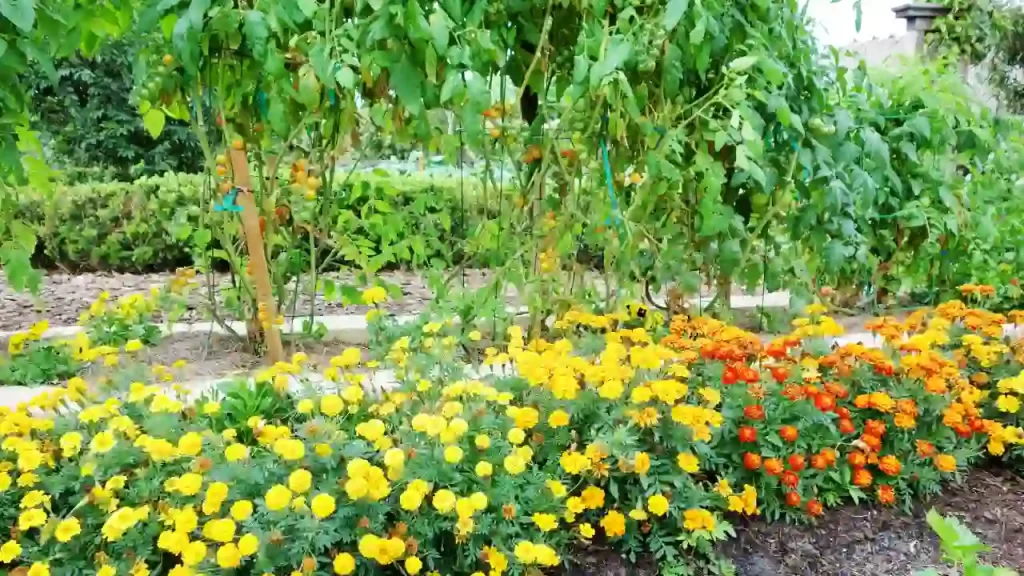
257	257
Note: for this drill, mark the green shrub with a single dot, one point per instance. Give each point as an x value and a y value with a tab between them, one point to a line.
151	223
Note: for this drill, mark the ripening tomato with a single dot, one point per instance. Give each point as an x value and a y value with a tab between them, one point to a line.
754	412
751	461
792	499
748	434
796	462
814	507
789	433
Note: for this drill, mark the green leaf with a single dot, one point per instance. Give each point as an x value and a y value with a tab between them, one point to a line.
674	12
729	255
772	71
24	236
308	8
439	31
407	82
697	34
3	47
154	121
346	78
197	12
744	63
21	13
617	54
430	65
452	83
256	33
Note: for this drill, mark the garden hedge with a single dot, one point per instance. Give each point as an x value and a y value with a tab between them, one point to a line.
149	224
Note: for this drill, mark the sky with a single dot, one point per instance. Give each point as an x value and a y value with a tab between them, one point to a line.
835	22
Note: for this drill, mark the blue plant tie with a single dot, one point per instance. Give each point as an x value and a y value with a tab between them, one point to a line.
228	203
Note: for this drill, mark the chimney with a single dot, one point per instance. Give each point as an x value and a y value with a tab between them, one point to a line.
920	17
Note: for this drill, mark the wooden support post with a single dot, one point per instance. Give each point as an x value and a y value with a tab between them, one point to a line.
257	257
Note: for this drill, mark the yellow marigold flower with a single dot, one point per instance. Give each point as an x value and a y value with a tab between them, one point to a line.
711	396
190	444
698	519
67	529
39	569
278	497
236	452
413	565
574	463
558	419
371	430
444	501
453	454
290	448
70	444
133	345
614	524
228	556
592	498
587	531
516	436
1008	404
546	522
344	564
482	442
248	545
31	518
34	498
300	481
331	405
241	510
194	553
411	499
322	505
375	295
219	530
688	462
484	469
9	551
638	514
557	489
945	463
658	505
514	464
642	463
524	552
103	442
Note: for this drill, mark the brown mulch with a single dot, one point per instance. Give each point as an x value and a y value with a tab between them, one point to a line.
876	541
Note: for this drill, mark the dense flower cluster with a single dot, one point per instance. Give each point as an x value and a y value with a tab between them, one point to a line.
614	428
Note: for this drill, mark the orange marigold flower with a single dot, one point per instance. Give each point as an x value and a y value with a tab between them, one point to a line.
890	464
875	428
862	478
857	459
814	507
796	462
789	433
886	495
773	466
793	499
904	421
818	462
925	449
751	461
790	479
872	442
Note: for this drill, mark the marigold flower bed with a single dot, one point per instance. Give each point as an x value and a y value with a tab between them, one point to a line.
649	439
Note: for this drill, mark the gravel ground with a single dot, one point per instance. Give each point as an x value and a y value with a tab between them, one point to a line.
64	296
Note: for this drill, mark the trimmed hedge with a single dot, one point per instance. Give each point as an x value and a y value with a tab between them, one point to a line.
150	224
